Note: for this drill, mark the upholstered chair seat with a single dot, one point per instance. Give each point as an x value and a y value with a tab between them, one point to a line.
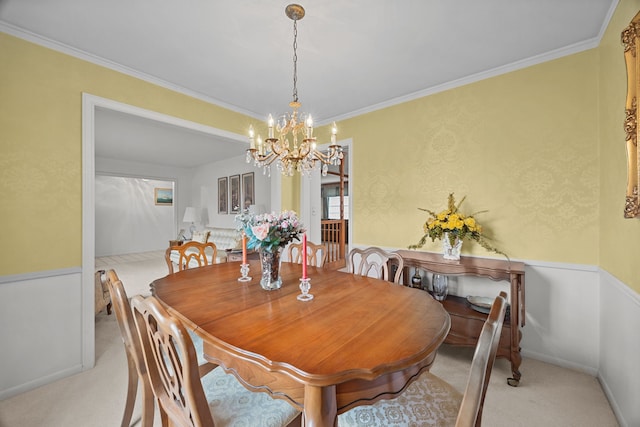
233	405
428	401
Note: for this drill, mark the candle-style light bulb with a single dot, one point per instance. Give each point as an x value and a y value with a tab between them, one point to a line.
252	141
260	145
334	132
270	124
309	126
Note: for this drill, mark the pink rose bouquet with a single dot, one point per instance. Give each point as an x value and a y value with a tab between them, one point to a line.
270	231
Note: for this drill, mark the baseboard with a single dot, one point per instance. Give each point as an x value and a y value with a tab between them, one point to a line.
22	388
617	411
563	363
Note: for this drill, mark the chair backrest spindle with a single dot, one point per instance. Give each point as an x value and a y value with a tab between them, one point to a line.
191	255
172	364
316	254
375	262
470	412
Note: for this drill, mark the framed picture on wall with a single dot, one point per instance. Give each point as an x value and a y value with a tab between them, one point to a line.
222	195
163	196
248	190
234	189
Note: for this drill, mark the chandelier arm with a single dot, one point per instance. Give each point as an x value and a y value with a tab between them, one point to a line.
281	149
305	148
266	160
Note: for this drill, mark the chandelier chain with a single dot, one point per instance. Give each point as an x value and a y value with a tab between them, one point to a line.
295	60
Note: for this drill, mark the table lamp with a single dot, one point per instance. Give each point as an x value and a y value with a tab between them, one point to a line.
190	215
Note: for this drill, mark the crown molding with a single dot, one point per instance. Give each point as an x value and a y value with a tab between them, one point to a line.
514	66
21	33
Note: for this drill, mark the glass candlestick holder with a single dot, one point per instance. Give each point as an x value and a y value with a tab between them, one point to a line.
305	286
244	271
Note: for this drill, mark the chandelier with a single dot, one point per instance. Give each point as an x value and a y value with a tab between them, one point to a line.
295	147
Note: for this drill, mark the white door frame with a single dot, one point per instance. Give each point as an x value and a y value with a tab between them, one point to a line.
311	204
89	105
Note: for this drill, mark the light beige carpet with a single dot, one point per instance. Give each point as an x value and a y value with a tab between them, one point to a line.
547	396
136	271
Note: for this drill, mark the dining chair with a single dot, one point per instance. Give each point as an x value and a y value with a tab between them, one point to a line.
184	398
430	400
135	358
375	262
101	293
316	254
190	255
133	350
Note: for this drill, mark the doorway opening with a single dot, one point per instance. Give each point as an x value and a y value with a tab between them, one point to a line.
334	223
133	214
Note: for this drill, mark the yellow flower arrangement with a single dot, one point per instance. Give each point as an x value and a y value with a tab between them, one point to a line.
455	225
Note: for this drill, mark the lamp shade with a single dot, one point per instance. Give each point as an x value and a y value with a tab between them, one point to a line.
190	215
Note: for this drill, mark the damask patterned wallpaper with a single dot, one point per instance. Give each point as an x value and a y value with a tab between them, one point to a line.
41	162
523	146
619	237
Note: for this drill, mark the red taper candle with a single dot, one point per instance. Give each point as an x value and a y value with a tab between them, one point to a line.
304	256
244	249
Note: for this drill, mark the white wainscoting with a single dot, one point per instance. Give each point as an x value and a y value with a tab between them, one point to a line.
560	300
562	325
578	317
619	371
40	329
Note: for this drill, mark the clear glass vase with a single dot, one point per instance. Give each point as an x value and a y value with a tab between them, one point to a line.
440	287
270	262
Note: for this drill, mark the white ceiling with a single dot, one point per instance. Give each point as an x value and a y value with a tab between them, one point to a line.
122	136
353	56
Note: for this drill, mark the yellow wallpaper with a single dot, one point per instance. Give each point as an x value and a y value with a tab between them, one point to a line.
619	237
290	188
522	145
40	166
531	147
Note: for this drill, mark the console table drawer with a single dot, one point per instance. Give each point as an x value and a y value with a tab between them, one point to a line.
466	331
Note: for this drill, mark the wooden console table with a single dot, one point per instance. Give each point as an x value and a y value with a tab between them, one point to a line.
466	323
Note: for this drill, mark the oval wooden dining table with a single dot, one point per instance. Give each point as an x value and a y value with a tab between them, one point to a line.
358	340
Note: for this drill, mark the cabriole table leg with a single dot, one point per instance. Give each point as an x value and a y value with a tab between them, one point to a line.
320	408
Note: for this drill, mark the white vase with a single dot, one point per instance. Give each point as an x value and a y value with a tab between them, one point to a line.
451	251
